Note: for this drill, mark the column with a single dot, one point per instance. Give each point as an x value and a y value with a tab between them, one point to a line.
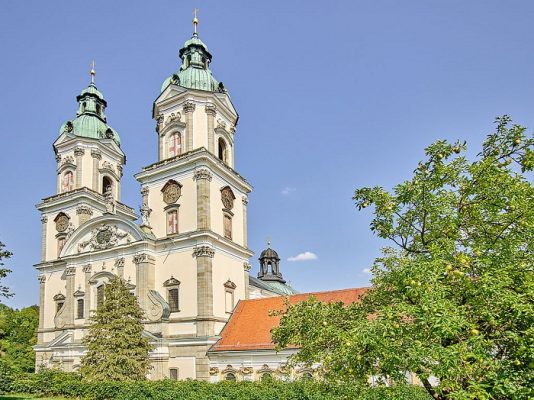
78	153
84	214
189	107
144	278
244	199
120	173
87	300
119	265
205	323
97	156
246	269
44	221
42	280
70	273
211	110
203	178
159	127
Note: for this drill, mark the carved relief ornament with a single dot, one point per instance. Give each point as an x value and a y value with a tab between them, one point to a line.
171	192
104	237
227	198
203	251
202	174
62	222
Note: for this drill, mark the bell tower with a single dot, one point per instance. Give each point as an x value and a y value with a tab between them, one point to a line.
89	170
194	202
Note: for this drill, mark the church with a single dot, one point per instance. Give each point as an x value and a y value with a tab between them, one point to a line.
185	256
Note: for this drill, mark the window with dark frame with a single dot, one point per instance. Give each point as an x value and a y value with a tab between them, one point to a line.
173	374
100	295
80	307
173	298
58	306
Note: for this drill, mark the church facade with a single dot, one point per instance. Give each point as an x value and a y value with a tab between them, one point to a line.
185	256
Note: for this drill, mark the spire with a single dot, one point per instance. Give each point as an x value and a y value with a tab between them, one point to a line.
195	22
194	73
93	72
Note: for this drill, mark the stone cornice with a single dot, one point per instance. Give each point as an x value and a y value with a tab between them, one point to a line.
84	192
198	155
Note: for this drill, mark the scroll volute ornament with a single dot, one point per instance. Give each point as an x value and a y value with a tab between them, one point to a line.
227	198
171	192
62	222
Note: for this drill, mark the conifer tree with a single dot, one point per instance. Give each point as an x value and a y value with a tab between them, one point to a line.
116	348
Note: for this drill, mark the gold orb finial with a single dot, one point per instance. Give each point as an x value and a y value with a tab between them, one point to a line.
93	72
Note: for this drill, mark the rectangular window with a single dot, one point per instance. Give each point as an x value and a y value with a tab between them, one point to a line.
68	181
228	227
173	300
79	313
100	295
172	222
229	301
175	145
173	374
58	306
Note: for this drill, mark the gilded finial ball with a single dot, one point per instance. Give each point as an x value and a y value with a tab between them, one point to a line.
93	72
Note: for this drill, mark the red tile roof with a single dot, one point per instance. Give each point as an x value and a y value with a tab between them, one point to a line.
249	328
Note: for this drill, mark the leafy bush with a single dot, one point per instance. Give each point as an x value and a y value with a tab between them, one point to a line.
6	377
71	385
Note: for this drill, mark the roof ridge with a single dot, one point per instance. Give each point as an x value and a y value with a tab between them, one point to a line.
307	293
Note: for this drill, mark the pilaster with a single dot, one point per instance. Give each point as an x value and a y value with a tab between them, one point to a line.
97	156
246	271
189	108
87	301
70	273
119	266
211	111
78	153
145	278
42	288
203	178
244	200
44	221
84	214
205	323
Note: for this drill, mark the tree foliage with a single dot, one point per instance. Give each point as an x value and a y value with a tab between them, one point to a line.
453	299
116	348
18	333
4	254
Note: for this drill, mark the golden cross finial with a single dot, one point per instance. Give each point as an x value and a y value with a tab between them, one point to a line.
195	19
93	72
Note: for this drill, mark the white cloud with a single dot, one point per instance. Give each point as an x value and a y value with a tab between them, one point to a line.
288	190
306	256
366	270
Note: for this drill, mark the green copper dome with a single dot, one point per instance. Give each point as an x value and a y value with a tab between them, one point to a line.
194	72
91	121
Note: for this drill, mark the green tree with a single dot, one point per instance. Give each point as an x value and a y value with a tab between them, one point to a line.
18	333
116	348
453	298
4	254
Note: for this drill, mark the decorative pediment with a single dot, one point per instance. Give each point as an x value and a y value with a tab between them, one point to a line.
101	276
59	297
265	369
102	233
171	282
229	369
229	284
79	293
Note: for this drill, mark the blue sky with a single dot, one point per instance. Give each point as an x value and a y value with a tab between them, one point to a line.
331	95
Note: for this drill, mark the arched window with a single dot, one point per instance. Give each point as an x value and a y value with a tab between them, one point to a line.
100	295
173	299
172	222
68	181
222	150
79	313
230	377
106	183
175	145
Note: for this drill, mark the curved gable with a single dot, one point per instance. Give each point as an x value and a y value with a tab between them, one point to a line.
102	233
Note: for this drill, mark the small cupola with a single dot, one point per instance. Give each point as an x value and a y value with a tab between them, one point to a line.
270	265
